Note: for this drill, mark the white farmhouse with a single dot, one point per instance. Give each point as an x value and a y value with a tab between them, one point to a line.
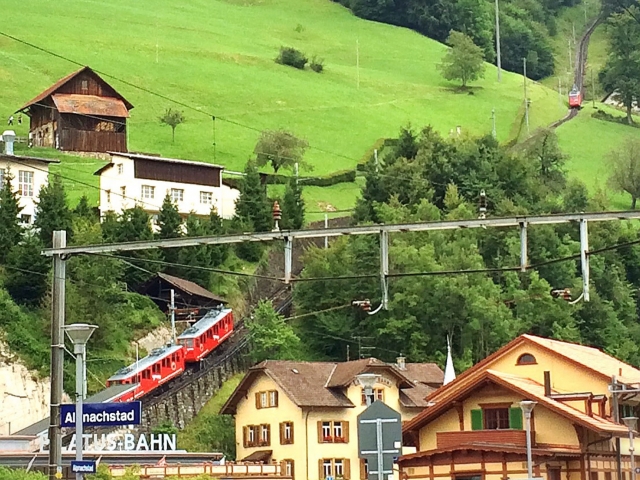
135	179
29	175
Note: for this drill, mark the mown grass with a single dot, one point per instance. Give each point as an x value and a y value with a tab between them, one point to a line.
217	56
588	141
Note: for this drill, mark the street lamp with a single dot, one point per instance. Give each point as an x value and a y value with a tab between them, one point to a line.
368	381
527	408
79	334
631	423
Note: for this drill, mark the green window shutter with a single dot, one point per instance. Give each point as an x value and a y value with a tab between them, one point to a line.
515	418
476	420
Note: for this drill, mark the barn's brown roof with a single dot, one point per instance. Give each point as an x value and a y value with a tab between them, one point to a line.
322	384
90	105
190	287
53	88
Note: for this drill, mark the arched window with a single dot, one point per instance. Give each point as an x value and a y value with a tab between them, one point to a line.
526	359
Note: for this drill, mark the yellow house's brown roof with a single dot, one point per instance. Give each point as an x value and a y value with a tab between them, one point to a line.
525	387
321	384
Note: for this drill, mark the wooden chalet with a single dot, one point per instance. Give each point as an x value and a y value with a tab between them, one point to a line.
191	300
81	113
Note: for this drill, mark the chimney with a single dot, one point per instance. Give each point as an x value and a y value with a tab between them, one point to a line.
400	362
547	383
8	137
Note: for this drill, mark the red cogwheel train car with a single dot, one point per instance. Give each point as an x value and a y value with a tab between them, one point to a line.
166	363
575	98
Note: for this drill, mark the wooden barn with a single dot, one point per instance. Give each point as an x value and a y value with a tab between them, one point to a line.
81	113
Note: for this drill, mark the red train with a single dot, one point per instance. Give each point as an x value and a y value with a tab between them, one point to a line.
165	363
575	98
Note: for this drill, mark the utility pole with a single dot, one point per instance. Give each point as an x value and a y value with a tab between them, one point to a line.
173	317
493	121
526	100
499	58
593	89
57	355
570	57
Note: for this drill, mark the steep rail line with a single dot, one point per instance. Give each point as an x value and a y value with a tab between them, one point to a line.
579	73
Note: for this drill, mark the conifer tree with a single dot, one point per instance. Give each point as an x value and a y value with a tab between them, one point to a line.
170	224
10	228
26	277
199	256
292	206
219	253
135	224
52	212
110	227
83	210
253	204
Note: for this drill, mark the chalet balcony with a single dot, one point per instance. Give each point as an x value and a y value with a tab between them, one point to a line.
516	438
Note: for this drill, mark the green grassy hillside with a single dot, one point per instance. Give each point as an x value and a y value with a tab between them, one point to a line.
217	55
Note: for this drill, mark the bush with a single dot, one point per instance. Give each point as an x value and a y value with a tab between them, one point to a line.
607	117
317	64
292	57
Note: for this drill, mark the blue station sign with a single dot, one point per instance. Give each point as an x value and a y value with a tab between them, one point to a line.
102	414
83	466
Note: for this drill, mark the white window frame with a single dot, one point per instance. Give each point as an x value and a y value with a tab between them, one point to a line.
288	464
338	468
337	430
25	187
264	433
177	194
326	429
327	467
272	398
264	400
252	435
208	196
148	192
288	430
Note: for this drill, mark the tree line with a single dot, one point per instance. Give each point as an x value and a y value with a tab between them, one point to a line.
428	177
526	28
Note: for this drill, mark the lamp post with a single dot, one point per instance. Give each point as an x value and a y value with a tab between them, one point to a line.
368	381
631	423
527	408
79	334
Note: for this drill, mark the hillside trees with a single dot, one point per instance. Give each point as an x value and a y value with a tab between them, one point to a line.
272	337
10	228
621	73
464	61
292	206
27	271
484	309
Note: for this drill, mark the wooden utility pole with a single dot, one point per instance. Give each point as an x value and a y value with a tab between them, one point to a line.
499	59
526	100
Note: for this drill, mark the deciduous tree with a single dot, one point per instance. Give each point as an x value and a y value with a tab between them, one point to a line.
280	149
272	337
464	61
625	169
173	118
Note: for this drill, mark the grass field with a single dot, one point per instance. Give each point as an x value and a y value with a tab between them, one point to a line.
588	141
217	56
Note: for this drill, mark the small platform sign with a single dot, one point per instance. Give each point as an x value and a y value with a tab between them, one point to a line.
83	466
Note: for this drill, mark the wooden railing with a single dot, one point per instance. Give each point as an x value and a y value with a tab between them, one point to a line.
501	437
239	470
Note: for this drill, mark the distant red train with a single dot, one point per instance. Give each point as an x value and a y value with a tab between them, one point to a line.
165	363
575	98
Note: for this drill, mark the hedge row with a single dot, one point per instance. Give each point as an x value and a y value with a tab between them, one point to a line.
341	176
607	117
379	145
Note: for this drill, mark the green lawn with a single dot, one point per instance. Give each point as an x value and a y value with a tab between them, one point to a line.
217	55
588	141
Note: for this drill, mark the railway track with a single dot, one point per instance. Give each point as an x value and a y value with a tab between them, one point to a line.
580	69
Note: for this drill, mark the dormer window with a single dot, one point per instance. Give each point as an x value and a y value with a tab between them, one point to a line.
526	359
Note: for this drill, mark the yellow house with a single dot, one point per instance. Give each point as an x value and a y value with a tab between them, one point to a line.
304	413
473	426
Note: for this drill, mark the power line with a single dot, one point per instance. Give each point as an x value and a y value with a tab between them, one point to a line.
159	95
